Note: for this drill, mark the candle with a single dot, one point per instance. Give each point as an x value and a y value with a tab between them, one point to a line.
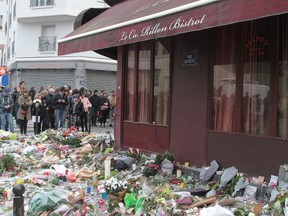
186	164
107	167
179	173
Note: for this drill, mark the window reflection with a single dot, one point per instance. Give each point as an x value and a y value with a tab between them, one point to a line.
161	83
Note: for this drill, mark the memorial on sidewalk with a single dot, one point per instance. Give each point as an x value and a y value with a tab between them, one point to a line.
65	172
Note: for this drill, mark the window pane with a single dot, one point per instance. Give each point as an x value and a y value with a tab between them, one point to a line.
224	80
161	83
256	78
143	82
129	98
283	80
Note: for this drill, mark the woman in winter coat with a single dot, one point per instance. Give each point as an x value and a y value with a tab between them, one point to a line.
104	109
24	111
84	117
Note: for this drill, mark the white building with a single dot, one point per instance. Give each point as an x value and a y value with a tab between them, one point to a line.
2	30
33	28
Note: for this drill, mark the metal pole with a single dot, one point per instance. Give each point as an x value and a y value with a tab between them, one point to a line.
18	200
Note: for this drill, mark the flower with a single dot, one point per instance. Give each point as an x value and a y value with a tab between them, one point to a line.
114	185
134	153
151	169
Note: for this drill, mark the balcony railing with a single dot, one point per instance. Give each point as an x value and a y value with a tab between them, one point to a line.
47	43
41	3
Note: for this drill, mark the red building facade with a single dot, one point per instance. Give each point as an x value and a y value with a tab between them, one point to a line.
205	79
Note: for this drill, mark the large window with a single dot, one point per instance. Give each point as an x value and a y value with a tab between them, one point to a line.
250	85
283	80
148	74
130	74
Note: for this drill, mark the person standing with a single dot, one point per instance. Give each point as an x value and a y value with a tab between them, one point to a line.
37	113
112	104
6	108
32	92
95	102
60	101
15	96
51	108
75	111
24	111
86	106
103	109
45	111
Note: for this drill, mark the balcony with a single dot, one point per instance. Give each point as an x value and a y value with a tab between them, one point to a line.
47	43
41	3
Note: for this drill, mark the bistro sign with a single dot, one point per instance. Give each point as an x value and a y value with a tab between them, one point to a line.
179	23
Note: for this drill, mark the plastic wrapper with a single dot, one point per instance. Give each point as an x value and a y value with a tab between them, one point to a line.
167	167
250	193
228	175
130	200
241	184
216	211
207	172
124	162
43	201
138	207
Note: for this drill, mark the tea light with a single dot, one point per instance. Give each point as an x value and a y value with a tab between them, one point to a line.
179	173
186	164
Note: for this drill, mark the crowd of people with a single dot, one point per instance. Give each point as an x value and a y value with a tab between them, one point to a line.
50	108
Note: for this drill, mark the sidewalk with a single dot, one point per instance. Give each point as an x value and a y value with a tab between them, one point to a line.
30	130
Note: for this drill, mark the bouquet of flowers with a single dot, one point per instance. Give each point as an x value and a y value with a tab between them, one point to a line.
134	153
151	169
114	185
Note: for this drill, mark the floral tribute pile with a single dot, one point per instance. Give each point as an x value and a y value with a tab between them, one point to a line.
65	172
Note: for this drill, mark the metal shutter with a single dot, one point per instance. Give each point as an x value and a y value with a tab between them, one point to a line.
101	80
57	78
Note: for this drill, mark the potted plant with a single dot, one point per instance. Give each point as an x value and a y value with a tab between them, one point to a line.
7	163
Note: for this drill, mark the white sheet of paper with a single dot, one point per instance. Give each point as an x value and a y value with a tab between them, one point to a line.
34	119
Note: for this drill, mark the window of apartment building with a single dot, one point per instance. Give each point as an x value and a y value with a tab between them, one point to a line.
10	20
13	45
41	3
47	42
248	96
14	11
147	84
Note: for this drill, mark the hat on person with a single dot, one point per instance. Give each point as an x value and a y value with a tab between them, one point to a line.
6	91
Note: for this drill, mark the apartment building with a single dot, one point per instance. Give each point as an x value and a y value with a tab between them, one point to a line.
33	28
2	31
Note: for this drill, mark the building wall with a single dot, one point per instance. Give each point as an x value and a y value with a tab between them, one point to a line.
2	30
26	59
189	98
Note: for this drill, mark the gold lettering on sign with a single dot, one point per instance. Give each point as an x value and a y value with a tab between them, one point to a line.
256	46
